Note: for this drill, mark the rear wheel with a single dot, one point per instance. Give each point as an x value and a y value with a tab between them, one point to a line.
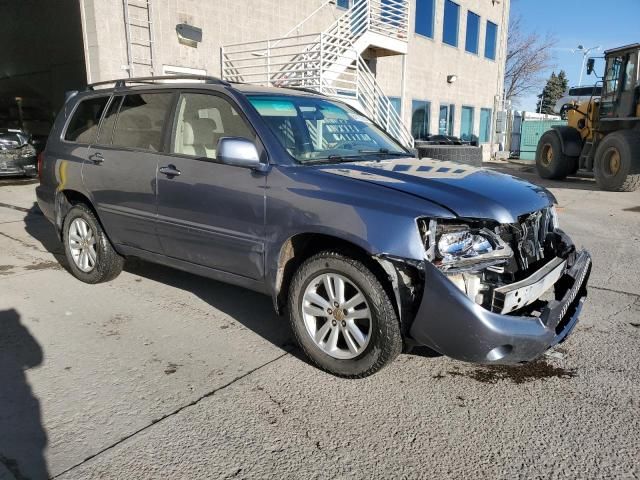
551	162
90	255
616	166
342	316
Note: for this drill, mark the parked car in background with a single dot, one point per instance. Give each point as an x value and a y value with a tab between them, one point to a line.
575	95
18	155
296	195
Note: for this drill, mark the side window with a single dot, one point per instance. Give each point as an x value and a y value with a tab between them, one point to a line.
108	122
141	121
630	72
83	126
202	120
612	76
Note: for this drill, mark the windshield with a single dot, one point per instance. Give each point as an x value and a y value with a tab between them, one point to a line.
315	130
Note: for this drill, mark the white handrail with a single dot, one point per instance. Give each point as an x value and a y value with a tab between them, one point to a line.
327	62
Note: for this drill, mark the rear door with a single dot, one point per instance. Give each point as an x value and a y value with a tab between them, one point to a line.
120	169
209	213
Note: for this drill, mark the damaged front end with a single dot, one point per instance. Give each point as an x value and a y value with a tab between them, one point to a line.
498	293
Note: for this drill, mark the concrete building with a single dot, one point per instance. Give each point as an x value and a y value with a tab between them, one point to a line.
439	63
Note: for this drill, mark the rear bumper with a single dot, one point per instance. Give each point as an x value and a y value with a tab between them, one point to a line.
452	324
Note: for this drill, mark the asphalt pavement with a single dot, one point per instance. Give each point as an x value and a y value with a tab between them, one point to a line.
163	374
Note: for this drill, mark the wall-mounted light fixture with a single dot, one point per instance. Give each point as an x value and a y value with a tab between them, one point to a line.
451	78
188	34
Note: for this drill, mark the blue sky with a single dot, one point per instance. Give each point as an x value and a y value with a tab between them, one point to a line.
608	23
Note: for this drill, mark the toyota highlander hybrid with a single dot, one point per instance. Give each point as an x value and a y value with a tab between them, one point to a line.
367	249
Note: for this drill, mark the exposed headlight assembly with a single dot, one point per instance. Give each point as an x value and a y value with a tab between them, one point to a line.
461	246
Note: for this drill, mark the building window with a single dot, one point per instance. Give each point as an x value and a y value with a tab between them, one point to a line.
396	103
451	17
466	124
485	125
424	17
343	3
473	32
445	119
490	41
420	119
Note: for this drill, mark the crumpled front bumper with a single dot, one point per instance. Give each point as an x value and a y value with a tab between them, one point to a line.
452	324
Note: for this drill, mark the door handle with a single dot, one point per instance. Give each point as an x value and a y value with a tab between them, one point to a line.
96	158
170	171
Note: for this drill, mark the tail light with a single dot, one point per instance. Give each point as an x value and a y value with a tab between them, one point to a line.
40	160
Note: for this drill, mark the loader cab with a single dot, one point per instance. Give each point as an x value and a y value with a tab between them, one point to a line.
621	87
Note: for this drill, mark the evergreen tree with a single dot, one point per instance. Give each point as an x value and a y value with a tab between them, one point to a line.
553	90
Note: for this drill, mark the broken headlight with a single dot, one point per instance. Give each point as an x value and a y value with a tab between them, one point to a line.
456	246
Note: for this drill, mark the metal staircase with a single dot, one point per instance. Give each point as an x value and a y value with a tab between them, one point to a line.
138	27
331	62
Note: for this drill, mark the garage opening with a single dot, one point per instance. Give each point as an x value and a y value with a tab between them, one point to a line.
42	58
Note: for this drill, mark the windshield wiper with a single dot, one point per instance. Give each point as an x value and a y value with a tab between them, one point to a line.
384	151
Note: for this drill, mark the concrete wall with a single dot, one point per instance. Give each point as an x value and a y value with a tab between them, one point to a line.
428	62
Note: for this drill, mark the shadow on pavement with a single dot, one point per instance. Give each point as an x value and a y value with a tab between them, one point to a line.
22	436
251	309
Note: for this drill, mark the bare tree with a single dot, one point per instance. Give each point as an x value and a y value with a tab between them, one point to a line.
528	57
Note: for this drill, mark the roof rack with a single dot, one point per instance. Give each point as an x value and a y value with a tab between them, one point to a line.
122	82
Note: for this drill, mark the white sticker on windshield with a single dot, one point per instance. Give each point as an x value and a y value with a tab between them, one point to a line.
359	118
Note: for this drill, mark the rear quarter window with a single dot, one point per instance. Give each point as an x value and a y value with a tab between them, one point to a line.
83	126
141	121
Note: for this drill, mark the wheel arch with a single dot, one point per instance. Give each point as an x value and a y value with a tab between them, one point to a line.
65	200
392	273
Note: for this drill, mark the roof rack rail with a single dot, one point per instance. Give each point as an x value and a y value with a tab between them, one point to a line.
122	82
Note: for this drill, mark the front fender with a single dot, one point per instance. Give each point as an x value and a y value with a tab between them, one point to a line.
570	140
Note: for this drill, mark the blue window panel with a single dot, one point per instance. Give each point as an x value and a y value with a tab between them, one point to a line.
424	17
451	18
485	125
473	32
490	41
343	3
396	102
466	124
420	119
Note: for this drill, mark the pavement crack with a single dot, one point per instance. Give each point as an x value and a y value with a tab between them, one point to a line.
637	295
169	415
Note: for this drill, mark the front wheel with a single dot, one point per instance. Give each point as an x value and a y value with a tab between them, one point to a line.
342	316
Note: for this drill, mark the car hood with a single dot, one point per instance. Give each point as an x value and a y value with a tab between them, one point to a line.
466	191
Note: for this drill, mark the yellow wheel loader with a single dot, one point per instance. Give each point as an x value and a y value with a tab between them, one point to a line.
603	134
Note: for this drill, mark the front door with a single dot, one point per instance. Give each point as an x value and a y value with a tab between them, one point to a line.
209	213
121	166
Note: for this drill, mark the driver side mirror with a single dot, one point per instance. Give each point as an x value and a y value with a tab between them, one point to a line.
239	152
590	64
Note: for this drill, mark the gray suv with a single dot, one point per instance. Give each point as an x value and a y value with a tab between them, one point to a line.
367	249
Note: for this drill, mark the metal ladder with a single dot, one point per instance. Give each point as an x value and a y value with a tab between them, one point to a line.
138	25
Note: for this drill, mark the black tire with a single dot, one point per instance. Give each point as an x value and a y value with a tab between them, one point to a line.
623	174
108	263
385	342
551	162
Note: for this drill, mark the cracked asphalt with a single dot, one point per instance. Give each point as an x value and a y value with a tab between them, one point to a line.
162	374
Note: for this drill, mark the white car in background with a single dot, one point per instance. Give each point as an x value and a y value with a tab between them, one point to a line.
576	95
